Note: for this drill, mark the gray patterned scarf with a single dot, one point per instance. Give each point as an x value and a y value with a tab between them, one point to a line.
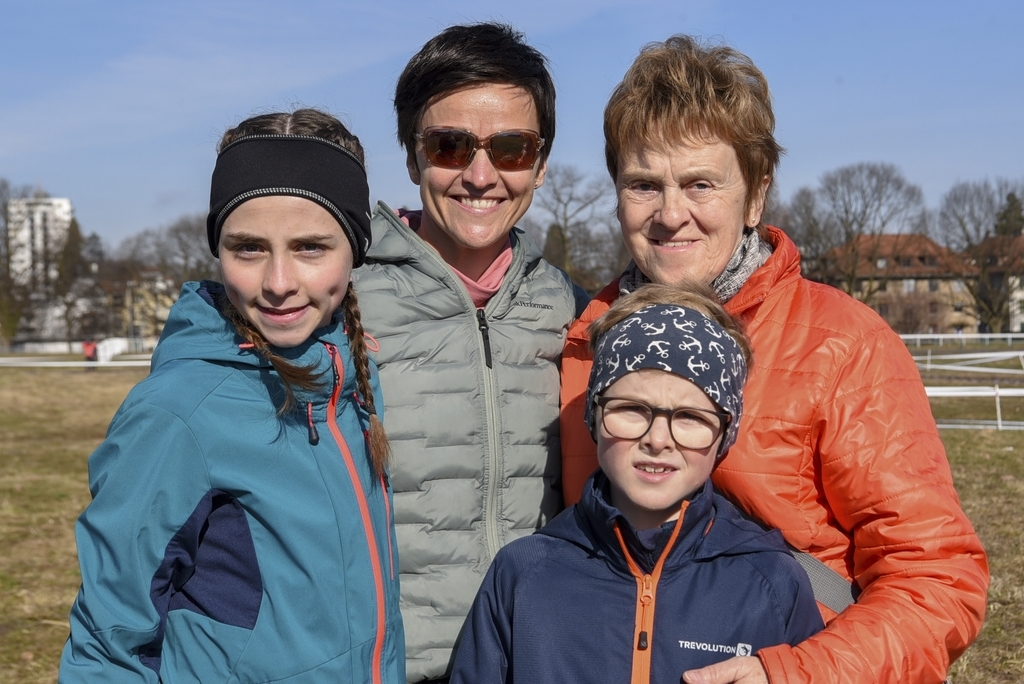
751	255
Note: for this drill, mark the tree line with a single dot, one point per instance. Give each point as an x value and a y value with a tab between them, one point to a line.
86	297
836	224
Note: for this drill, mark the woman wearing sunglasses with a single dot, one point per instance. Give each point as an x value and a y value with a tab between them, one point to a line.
471	322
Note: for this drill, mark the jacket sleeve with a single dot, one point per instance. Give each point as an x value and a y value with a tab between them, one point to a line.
803	618
145	478
485	646
919	564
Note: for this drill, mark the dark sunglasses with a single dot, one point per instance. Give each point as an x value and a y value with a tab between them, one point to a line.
451	148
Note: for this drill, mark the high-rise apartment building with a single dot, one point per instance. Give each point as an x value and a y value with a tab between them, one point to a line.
37	229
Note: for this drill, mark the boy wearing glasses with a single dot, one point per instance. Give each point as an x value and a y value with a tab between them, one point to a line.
652	573
471	323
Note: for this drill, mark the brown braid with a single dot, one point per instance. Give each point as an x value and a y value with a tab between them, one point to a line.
380	447
292	376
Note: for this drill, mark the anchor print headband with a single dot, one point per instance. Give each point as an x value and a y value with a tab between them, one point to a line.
680	341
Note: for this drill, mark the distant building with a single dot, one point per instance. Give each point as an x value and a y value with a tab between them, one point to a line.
37	229
999	261
147	304
1016	284
915	284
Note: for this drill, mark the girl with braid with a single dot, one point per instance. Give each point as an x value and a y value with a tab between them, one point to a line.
240	528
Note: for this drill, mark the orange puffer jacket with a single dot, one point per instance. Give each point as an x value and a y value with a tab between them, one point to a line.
839	450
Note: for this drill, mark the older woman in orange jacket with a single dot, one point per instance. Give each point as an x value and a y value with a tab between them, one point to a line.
840	450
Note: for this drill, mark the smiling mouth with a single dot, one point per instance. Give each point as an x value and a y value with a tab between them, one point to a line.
280	312
478	203
672	243
653	469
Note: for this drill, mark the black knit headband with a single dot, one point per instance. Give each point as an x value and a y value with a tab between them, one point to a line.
303	166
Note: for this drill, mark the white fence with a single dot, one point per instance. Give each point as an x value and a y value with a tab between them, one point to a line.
963	339
979	391
130	352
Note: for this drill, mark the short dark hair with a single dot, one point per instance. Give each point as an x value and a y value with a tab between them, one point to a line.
471	55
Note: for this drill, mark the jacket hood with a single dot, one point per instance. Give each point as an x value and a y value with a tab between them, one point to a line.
197	331
711	527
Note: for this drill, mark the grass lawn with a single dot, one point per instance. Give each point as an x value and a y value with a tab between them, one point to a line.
51	419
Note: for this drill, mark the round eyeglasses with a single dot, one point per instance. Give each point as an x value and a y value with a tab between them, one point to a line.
691	428
452	148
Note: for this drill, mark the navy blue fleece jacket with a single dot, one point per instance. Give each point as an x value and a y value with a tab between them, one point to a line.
564	605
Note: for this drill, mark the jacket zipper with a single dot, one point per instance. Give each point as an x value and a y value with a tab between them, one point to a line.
493	481
646	593
481	319
364	514
491	474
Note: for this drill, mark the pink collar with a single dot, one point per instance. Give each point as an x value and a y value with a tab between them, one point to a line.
481	291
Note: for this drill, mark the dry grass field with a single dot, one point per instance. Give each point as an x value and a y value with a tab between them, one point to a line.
51	419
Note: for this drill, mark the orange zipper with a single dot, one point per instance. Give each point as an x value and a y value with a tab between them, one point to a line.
646	593
364	513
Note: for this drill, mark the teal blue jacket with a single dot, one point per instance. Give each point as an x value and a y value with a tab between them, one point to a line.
225	543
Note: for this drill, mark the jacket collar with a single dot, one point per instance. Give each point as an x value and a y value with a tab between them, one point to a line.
196	330
601	302
784	263
601	516
395	242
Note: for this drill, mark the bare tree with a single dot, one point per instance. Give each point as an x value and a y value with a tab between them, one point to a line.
865	201
582	238
180	251
809	224
186	250
967	223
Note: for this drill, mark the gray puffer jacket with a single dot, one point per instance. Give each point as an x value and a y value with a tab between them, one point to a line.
472	414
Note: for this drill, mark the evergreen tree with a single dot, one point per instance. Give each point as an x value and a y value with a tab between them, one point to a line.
1010	220
554	246
69	267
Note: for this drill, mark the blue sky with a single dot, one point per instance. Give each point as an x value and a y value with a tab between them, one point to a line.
118	105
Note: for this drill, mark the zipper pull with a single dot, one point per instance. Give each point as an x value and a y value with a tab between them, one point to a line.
646	598
647	595
482	324
314	437
334	366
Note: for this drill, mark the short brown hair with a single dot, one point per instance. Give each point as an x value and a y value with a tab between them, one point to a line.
683	90
305	121
692	295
